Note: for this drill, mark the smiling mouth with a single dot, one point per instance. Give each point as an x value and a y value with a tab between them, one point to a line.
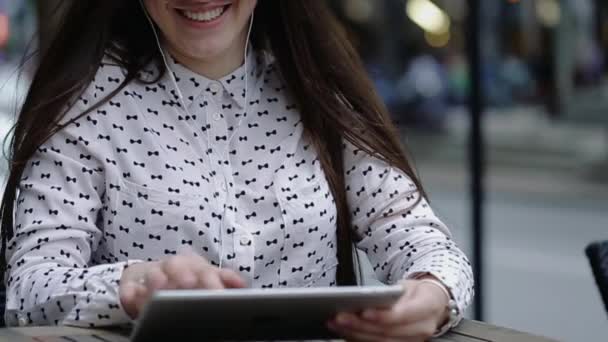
203	16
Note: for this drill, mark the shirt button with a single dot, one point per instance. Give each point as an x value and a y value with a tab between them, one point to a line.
217	116
22	321
215	87
245	241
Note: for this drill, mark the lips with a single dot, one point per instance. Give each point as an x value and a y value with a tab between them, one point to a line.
198	11
204	16
197	6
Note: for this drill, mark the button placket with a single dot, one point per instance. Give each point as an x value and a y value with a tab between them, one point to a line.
227	221
237	243
244	249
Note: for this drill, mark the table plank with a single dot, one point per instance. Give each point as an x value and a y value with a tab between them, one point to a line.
51	331
44	334
485	332
457	338
468	331
11	335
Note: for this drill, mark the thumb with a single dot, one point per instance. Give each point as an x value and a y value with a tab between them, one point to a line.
231	279
128	294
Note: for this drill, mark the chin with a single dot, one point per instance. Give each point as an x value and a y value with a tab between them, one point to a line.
205	50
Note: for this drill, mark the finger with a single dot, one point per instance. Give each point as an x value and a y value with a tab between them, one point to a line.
179	270
142	297
353	322
127	294
385	317
423	329
133	297
232	280
404	312
209	278
184	279
126	291
156	279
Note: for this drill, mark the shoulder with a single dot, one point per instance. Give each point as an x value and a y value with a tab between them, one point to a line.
108	77
93	106
268	70
101	91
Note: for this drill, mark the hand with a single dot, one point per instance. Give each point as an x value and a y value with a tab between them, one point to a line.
414	318
139	281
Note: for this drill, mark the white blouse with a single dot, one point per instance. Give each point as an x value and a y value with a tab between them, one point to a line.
140	179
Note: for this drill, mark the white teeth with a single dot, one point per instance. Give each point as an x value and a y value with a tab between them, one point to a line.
204	16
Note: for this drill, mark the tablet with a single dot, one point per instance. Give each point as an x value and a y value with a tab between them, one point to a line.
255	314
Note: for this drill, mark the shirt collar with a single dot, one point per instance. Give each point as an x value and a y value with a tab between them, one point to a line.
193	85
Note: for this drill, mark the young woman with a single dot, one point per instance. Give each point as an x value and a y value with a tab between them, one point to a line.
184	144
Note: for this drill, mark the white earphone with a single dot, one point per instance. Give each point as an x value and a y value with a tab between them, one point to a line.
183	103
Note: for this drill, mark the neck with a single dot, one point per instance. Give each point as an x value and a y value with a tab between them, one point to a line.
218	66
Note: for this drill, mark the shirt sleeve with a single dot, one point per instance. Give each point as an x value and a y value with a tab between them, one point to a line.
398	229
50	277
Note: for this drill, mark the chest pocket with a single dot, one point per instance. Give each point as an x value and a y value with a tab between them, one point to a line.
309	212
146	222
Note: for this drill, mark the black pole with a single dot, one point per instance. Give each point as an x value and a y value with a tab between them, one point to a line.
476	153
601	12
600	8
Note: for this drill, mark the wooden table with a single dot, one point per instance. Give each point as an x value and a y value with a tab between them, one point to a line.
468	331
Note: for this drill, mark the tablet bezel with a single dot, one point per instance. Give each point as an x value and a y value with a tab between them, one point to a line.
256	314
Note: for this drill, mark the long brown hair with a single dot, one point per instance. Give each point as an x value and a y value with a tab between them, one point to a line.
316	59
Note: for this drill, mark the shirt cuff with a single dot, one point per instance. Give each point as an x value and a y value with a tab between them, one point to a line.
125	265
455	310
106	310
